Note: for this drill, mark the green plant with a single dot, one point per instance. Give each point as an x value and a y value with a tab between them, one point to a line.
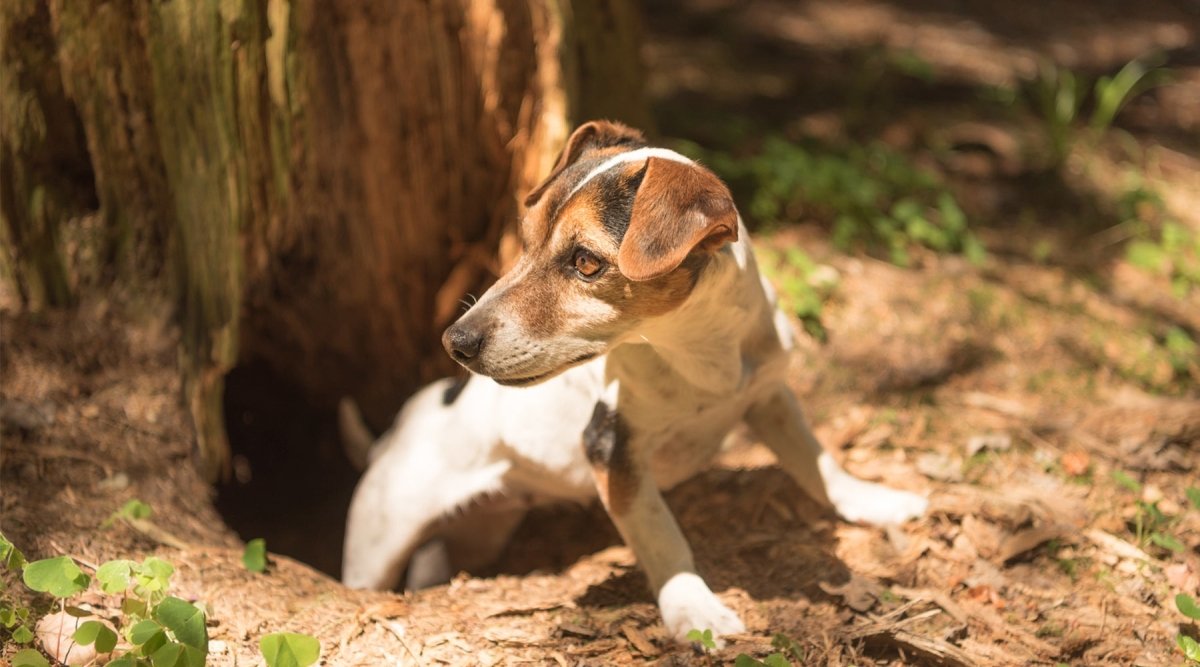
132	510
159	630
162	631
14	617
788	652
1130	484
288	649
254	556
803	288
873	196
1150	524
703	638
1173	252
1068	566
1181	350
28	657
1159	243
773	660
1111	93
1059	96
1188	607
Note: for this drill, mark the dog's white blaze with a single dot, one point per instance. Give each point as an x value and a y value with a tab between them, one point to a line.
631	156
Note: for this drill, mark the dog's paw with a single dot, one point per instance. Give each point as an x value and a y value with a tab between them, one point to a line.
867	502
687	604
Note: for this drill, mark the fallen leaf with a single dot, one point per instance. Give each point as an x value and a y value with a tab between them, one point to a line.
1026	540
980	593
858	593
982	534
1076	462
56	633
1181	577
985	594
639	640
575	629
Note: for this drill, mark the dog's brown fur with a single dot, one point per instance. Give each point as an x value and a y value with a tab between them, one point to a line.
635	219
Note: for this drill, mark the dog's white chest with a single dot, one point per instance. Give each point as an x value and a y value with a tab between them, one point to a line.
678	425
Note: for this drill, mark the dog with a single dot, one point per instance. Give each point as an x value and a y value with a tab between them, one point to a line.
631	336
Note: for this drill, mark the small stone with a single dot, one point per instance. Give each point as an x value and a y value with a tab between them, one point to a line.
996	442
936	465
116	482
25	416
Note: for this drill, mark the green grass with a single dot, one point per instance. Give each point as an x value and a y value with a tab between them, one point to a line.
1063	98
873	198
802	287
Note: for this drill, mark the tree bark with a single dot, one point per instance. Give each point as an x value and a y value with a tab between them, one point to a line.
44	172
327	178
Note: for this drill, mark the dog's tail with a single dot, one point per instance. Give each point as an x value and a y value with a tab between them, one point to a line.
356	436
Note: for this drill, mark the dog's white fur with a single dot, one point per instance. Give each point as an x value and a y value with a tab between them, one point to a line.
681	381
636	155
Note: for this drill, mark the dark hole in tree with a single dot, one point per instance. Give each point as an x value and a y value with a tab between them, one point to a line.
300	484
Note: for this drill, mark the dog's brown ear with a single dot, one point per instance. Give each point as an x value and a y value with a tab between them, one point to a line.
592	135
679	208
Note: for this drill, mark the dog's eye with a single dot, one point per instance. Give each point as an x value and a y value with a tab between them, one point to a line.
587	265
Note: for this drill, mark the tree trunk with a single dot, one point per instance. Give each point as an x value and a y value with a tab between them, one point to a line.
44	177
328	178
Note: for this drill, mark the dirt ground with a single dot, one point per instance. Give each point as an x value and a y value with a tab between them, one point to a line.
1009	392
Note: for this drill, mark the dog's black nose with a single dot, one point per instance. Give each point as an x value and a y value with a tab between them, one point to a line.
462	343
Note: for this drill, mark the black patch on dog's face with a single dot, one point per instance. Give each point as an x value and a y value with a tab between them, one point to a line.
617	191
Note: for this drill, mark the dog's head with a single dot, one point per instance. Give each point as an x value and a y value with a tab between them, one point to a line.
618	233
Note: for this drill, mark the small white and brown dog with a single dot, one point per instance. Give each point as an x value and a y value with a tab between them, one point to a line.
632	335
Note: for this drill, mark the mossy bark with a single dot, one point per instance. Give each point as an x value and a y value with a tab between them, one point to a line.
44	171
106	73
327	178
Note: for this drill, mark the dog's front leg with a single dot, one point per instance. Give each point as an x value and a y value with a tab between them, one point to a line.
780	423
629	493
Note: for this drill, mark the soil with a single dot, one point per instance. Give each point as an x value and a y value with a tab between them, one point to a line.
1009	392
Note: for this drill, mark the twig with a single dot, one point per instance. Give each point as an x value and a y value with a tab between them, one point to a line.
639	640
86	563
937	597
977	399
917	617
155	533
1117	546
398	631
937	651
980	614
